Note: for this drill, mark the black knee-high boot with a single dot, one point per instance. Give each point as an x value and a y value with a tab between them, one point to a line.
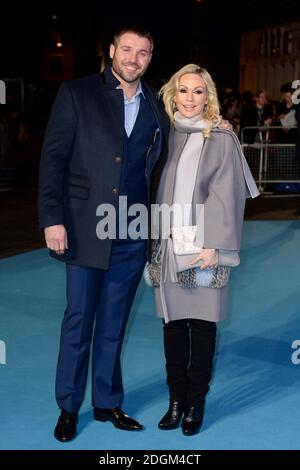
177	353
203	341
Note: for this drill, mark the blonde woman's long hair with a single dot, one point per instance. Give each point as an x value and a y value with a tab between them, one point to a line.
211	112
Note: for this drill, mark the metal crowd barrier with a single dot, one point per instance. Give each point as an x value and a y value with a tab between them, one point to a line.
270	162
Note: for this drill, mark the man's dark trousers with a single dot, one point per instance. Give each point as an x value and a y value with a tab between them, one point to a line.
108	295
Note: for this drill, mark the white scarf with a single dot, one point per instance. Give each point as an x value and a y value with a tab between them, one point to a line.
187	165
189	125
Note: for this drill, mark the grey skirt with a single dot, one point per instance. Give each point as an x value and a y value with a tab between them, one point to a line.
203	303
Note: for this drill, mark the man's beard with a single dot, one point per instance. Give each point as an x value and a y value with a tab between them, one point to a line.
128	78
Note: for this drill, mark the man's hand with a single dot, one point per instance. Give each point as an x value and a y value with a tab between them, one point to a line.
56	238
225	124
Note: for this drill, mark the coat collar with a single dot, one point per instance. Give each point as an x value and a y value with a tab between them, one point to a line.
109	79
111	83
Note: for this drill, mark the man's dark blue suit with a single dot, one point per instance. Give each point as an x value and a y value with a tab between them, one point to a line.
88	160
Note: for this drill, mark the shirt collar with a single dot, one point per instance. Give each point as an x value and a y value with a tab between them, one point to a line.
139	91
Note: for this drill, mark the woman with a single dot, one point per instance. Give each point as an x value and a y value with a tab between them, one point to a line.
205	166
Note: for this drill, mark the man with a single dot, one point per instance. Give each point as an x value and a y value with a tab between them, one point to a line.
258	114
285	116
104	137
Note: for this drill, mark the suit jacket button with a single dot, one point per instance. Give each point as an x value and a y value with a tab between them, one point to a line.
118	159
115	191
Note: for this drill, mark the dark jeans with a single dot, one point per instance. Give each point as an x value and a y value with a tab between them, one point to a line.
189	350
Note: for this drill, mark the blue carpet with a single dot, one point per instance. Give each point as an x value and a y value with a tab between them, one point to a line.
254	398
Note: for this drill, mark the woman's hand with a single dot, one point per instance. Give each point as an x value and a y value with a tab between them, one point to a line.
209	256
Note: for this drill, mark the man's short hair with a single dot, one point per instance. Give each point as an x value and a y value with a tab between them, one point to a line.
138	30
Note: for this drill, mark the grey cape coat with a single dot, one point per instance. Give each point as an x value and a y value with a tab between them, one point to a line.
223	182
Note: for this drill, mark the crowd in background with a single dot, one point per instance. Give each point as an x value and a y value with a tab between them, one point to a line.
22	123
242	110
255	109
